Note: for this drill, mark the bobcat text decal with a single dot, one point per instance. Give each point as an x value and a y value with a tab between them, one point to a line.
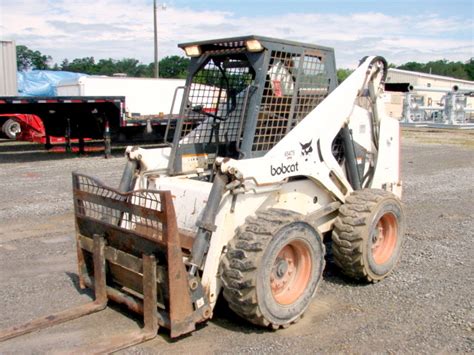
283	169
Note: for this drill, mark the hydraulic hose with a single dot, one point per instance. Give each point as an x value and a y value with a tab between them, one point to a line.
351	162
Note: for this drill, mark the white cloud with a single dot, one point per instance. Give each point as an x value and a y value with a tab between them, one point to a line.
124	28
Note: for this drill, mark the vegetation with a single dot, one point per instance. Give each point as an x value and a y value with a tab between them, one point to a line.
131	67
342	74
458	70
170	67
176	66
28	59
173	67
443	67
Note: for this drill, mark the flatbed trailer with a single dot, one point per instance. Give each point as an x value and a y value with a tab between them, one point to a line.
86	117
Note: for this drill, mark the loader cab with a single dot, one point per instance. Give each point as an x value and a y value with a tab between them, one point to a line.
243	95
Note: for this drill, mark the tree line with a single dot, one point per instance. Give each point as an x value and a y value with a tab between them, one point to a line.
169	67
176	66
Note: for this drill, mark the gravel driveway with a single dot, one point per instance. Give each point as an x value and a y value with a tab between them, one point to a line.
426	306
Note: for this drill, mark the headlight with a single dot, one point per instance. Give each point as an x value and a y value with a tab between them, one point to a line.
253	45
192	51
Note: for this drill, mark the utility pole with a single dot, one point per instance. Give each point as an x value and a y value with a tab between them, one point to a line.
157	70
155	22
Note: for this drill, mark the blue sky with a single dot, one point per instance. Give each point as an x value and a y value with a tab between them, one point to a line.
400	30
272	7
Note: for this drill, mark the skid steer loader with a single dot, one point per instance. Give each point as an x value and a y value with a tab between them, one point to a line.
269	156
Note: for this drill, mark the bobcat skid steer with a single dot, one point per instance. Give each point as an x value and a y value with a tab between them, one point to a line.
268	156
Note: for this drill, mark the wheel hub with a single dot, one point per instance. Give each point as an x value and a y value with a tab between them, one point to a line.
384	238
281	267
378	235
291	272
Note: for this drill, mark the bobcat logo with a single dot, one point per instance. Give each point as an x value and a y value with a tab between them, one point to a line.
306	149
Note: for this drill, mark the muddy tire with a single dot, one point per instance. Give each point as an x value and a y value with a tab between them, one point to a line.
11	128
272	268
368	234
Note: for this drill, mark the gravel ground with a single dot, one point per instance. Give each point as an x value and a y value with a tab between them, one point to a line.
426	306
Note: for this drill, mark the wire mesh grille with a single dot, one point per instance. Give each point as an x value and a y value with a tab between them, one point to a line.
295	85
216	102
137	211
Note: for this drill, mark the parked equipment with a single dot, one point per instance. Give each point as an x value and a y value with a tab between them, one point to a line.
241	198
452	109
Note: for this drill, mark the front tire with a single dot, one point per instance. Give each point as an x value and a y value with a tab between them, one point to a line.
368	234
272	268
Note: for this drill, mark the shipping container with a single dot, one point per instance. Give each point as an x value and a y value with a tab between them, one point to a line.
8	69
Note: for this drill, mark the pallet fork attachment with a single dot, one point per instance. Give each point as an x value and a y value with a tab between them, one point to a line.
130	252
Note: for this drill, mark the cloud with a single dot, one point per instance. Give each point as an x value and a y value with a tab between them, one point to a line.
87	28
124	28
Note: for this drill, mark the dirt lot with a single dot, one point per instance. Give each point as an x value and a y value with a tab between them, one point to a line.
426	306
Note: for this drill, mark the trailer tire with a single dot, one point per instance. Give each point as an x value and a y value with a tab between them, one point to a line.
368	235
272	268
11	128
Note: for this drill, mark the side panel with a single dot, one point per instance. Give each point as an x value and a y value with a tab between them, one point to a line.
387	171
70	87
189	198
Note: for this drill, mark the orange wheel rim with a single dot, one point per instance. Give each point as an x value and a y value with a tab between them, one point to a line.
384	238
291	272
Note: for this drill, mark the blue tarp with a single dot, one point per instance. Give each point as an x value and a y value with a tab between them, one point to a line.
42	82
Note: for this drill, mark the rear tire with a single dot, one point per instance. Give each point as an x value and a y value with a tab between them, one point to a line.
272	268
368	234
11	128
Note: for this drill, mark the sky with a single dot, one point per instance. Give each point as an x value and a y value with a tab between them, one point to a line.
399	30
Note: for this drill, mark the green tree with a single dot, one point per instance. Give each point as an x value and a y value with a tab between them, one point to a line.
132	67
27	59
469	67
342	74
129	66
80	65
173	67
412	66
442	67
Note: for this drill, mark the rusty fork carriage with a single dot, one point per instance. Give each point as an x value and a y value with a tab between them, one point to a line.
130	252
